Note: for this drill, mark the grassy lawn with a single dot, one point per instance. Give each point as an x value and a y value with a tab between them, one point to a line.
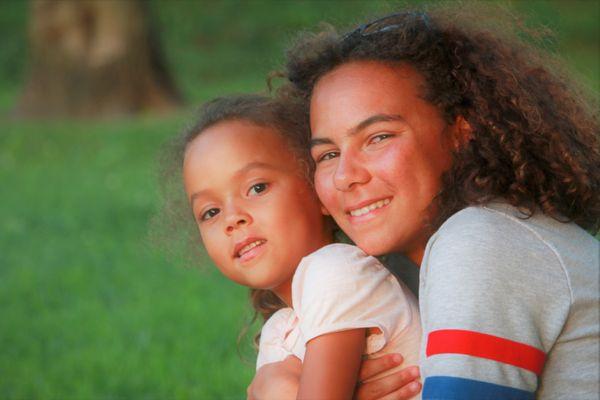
90	309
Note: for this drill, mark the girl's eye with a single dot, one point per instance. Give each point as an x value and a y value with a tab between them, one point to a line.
327	156
257	189
208	214
379	138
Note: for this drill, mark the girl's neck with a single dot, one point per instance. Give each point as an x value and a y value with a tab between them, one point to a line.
416	255
284	292
415	250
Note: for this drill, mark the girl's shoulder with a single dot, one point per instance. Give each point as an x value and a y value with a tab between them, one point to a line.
339	287
499	239
334	272
501	221
337	261
339	251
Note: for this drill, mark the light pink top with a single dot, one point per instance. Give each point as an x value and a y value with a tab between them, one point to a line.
336	288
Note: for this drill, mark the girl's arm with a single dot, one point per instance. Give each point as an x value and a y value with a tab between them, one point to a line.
331	365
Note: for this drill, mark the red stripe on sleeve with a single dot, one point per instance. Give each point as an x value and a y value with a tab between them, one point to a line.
486	346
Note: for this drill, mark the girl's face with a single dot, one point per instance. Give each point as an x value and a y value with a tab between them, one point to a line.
256	212
380	150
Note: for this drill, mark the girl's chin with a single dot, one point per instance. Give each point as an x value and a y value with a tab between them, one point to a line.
374	247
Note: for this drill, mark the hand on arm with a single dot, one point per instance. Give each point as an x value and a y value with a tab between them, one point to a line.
401	385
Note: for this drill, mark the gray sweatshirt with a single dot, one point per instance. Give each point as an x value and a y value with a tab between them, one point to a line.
510	308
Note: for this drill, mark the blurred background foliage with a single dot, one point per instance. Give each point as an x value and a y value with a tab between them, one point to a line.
89	309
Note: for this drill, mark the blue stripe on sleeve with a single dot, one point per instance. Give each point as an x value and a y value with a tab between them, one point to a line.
451	388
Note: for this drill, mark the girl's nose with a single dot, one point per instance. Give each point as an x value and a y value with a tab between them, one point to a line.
349	172
235	219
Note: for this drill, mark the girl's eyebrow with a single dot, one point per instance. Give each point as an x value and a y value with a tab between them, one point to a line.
197	194
254	165
364	124
319	141
373	120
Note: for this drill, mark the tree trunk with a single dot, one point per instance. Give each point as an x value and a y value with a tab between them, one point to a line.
94	59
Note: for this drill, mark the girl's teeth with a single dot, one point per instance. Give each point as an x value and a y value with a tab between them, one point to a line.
250	246
364	210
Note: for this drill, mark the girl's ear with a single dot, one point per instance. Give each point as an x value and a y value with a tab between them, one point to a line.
462	132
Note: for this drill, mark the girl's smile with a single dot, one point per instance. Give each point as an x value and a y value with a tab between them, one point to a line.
367	209
248	249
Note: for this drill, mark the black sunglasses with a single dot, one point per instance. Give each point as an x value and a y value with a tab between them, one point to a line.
386	24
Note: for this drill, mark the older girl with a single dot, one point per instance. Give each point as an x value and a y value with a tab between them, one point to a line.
482	164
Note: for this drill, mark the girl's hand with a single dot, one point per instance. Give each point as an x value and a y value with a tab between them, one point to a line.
401	385
278	380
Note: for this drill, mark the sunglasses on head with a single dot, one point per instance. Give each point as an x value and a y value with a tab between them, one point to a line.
387	24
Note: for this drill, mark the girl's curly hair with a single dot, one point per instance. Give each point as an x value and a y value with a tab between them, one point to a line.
534	139
175	224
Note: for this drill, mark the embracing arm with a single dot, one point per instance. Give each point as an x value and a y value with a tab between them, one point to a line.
280	380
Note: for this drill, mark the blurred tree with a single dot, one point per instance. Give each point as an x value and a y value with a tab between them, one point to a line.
93	58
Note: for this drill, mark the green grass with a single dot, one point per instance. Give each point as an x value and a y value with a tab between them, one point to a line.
89	309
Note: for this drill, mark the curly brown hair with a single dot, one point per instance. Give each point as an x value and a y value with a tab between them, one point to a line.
175	223
534	139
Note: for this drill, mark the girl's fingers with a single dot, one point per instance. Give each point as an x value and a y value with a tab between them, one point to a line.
404	393
400	382
372	367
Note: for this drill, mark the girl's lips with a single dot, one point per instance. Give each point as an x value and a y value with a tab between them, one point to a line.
245	245
253	252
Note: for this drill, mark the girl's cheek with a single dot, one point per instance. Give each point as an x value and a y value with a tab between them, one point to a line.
207	237
402	149
324	188
394	161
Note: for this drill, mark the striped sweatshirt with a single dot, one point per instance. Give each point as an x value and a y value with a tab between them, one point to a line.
510	308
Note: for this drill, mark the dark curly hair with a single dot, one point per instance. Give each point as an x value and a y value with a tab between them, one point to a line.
534	139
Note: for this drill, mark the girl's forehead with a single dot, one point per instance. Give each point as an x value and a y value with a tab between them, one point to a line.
351	97
223	157
236	142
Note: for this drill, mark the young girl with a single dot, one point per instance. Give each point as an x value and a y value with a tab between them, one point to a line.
246	175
